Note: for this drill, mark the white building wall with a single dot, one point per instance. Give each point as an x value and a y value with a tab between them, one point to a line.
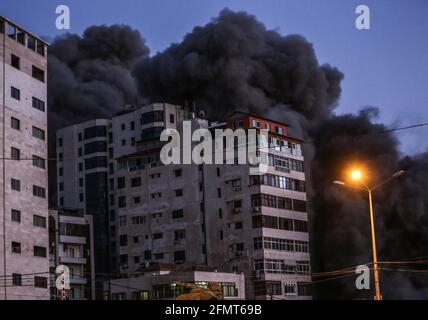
24	232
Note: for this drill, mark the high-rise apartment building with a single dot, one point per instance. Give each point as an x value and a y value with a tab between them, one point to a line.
209	214
71	245
24	265
83	165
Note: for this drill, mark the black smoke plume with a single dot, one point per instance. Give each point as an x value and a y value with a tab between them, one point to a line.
234	62
89	76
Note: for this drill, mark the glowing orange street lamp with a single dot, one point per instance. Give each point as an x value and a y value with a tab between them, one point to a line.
357	176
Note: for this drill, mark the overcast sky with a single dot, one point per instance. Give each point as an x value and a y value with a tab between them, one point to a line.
386	66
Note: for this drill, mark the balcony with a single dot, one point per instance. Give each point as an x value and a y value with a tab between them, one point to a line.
70	260
77	280
72	239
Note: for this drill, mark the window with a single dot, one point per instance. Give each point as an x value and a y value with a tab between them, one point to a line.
95	162
15	184
38	133
60	171
179	192
15	123
20	36
123	142
11	31
176	214
132	125
81	197
152	116
31	43
132	141
158	235
136	200
179	256
303	289
138	220
239	124
16	215
61	186
40	48
15	93
93	132
16	279
122	126
122	202
38	162
121	182
289	288
122	221
80	166
38	104
303	267
39	191
79	136
16	247
178	172
15	153
80	182
137	259
39	221
273	288
15	61
38	74
220	213
39	251
40	282
238	225
219	192
180	235
123	240
93	147
136	182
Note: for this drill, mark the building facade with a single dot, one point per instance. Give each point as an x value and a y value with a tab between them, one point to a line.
257	224
24	264
71	245
216	215
83	165
159	282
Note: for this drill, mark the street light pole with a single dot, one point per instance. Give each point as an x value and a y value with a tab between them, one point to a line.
378	296
356	175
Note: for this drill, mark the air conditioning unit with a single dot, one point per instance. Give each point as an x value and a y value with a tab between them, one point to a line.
256	209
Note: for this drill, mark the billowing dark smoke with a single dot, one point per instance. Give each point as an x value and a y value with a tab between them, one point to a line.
234	62
89	76
341	224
